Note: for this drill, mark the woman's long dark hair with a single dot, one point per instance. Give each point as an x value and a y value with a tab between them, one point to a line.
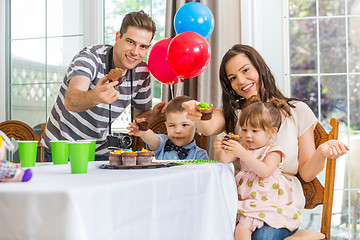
267	86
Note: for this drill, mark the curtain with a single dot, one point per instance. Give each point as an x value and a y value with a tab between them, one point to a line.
227	32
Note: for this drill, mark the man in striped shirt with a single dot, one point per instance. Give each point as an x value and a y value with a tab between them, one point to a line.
82	110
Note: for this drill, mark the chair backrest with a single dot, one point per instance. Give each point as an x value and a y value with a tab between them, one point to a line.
314	192
21	131
159	127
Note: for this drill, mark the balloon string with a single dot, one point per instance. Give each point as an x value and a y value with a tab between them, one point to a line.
179	86
172	90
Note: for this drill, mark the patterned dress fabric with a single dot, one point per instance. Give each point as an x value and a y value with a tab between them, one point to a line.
266	200
302	118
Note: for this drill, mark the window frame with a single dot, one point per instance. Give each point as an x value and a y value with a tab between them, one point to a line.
4	53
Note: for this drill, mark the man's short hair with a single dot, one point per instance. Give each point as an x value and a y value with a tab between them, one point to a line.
175	104
138	19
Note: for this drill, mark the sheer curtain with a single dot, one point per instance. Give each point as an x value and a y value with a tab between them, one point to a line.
227	32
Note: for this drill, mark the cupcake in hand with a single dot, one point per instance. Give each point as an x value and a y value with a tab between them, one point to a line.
116	74
232	137
142	123
206	110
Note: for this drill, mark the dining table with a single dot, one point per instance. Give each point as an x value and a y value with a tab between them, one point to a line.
175	202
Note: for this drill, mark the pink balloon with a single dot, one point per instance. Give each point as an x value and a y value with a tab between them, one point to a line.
188	54
158	64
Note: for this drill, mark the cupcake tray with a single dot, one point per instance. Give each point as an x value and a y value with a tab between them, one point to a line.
151	166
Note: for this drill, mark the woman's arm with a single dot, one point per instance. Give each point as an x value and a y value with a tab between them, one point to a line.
214	126
311	161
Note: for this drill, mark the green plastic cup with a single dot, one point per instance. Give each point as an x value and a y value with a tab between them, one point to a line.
79	156
60	152
92	149
27	153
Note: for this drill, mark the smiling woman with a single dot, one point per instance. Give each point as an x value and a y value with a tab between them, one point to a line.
244	80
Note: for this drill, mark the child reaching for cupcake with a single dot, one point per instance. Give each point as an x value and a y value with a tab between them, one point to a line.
179	143
264	194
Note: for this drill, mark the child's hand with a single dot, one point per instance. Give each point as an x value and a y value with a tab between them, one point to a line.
218	144
233	147
221	153
134	130
333	149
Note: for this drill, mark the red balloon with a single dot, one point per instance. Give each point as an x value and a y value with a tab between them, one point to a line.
158	64
188	54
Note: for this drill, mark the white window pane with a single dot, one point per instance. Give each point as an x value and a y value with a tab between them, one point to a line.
353	7
303	46
354	90
331	7
332	45
59	55
28	61
333	98
115	10
28	103
302	8
158	14
27	18
52	91
64	17
354	43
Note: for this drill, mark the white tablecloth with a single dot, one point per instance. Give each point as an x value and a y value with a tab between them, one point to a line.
192	201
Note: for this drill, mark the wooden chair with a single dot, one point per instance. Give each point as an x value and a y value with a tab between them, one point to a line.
315	193
21	131
159	127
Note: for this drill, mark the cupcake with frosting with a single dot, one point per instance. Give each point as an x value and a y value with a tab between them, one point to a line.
232	136
129	157
206	110
144	157
115	74
115	158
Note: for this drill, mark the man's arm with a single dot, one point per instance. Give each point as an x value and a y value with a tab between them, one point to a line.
78	98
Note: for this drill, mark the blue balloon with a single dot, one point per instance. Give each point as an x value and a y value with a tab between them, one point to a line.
194	17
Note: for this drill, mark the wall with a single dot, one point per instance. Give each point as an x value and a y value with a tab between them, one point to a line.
262	28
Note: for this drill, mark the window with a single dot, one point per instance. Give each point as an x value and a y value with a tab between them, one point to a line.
42	41
42	46
45	35
325	69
